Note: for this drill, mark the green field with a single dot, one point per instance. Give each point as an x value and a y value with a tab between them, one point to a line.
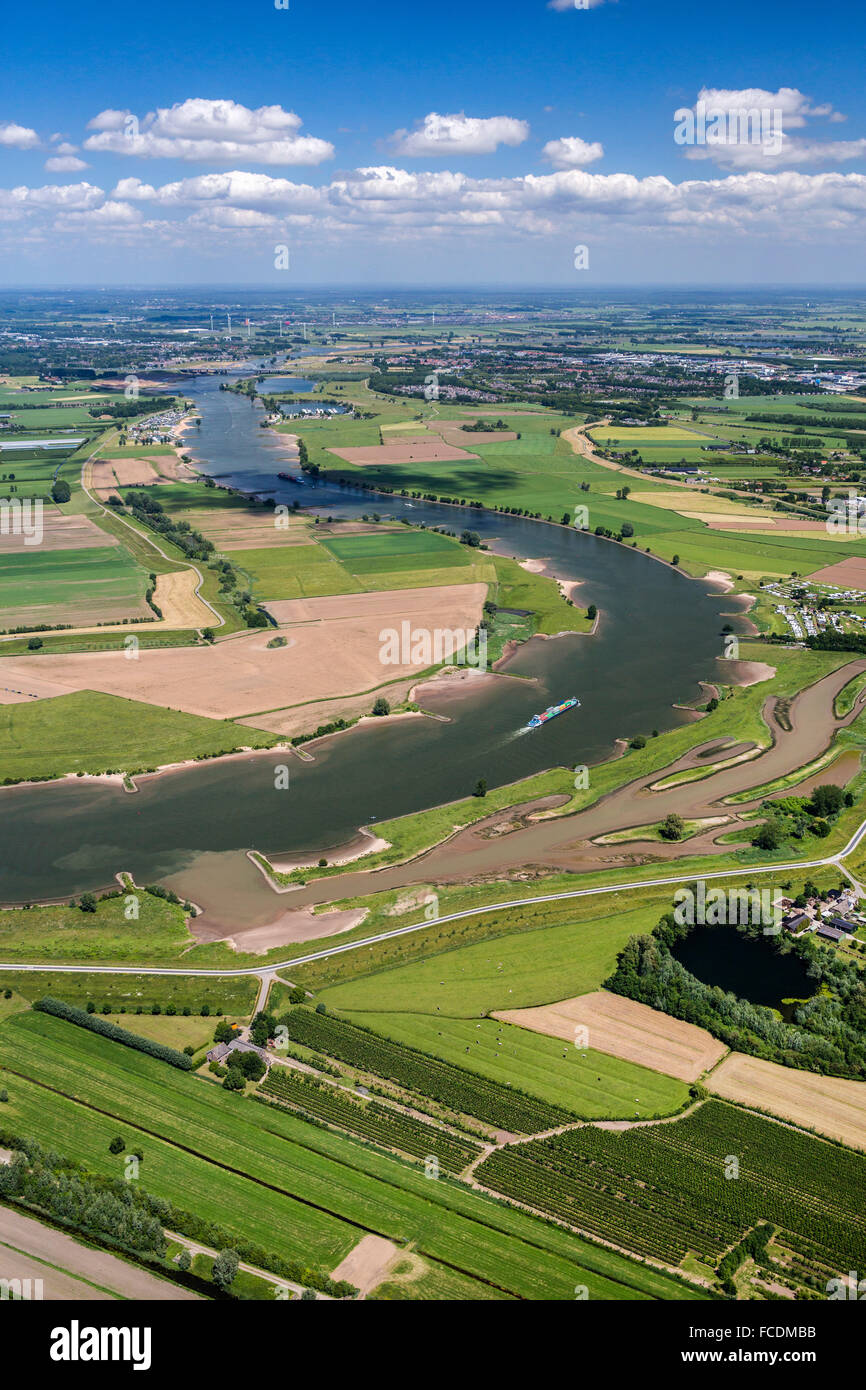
30	472
62	934
464	1092
590	1084
294	571
65	582
623	437
233	995
391	551
518	588
267	1176
369	1119
538	966
541	473
390	559
111	734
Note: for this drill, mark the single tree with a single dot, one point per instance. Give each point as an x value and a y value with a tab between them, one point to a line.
672	827
225	1267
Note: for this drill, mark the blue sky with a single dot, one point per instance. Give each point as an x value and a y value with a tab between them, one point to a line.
261	128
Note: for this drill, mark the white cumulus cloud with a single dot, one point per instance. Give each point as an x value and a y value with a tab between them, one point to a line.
17	137
460	134
398	205
64	164
571	152
750	128
208	131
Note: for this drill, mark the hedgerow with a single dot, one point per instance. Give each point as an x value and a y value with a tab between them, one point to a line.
82	1019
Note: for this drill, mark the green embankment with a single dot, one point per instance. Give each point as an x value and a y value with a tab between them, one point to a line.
232	996
525	968
90	732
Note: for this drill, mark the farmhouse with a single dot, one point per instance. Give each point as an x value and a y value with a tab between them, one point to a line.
830	933
796	922
222	1050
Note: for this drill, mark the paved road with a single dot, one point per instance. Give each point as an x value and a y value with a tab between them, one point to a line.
261	972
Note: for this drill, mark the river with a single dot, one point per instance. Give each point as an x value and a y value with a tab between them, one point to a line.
659	636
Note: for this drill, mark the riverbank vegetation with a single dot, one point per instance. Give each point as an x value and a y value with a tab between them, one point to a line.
88	732
738	718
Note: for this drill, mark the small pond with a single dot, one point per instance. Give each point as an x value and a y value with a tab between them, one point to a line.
747	966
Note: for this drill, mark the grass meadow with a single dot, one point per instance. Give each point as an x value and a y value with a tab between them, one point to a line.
268	1176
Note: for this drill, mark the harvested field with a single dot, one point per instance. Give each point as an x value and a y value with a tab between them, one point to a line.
179	603
60	533
70	1270
27	686
54	587
626	1029
172	466
108	475
439	425
767	525
719	521
367	1265
129	472
432	450
351	528
682	501
242	675
848	574
408	603
83	616
175	596
305	719
829	1104
410	436
235	528
801	523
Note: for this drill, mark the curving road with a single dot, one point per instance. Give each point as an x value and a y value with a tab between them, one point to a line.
268	972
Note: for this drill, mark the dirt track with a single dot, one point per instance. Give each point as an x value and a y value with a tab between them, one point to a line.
25	1243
